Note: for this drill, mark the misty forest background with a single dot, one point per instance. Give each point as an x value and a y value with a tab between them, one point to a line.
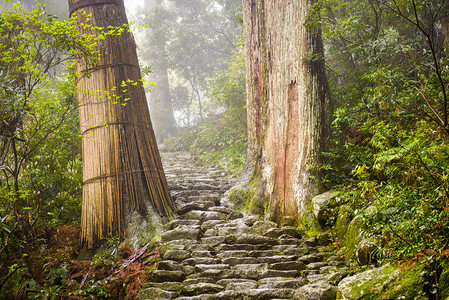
388	71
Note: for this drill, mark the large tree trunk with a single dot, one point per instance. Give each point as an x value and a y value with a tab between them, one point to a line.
161	107
287	96
122	169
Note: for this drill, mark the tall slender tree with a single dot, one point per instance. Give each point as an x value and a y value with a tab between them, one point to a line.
161	107
122	169
287	97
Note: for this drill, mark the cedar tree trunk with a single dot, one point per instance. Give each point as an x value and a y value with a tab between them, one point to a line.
287	96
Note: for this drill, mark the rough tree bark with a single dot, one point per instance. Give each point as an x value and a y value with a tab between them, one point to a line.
287	96
161	107
122	169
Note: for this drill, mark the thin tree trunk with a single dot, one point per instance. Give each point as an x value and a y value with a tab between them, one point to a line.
287	97
122	169
161	106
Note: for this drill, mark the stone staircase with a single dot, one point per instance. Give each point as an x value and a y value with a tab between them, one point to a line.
215	252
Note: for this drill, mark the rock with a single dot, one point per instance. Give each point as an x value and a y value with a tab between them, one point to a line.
175	223
201	253
189	270
275	259
235	231
214	215
242	286
250	220
331	278
230	247
279	273
251	271
256	239
200	260
286	230
232	253
196	205
155	293
180	233
316	265
289	221
176	255
261	227
235	215
323	239
190	281
216	274
269	293
343	220
204	267
167	276
232	261
171	245
208	197
334	258
231	294
210	224
194	215
321	210
291	250
354	235
169	265
201	288
199	297
213	240
310	258
210	232
365	252
286	240
198	247
231	213
288	265
167	286
318	291
386	282
309	242
262	253
280	283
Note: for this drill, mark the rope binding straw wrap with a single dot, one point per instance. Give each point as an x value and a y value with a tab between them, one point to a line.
73	6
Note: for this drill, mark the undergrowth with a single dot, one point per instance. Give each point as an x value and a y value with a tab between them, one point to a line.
51	270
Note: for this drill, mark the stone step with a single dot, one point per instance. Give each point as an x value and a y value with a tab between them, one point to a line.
215	252
201	288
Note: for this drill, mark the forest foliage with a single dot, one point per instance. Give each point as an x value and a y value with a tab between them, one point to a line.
389	74
388	70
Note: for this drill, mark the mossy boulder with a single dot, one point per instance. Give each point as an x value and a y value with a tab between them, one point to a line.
322	210
354	235
365	252
344	217
386	282
155	293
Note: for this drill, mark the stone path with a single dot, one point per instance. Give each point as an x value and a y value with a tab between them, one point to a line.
214	252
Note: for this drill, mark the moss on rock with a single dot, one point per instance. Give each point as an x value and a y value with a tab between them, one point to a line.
343	220
386	282
409	286
354	235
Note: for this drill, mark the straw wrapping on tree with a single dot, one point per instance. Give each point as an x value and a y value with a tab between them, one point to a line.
121	162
